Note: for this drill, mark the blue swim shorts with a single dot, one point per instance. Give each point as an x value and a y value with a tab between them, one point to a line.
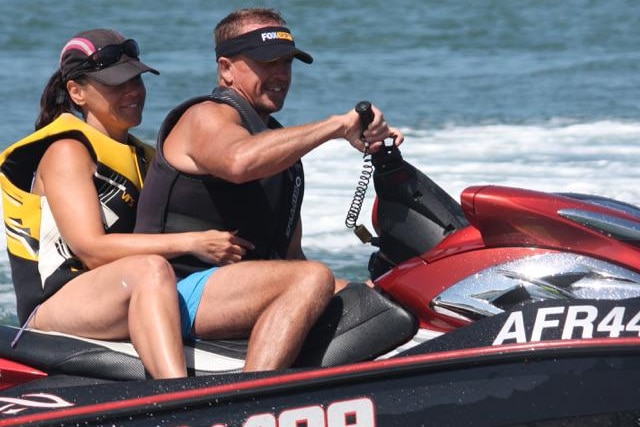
189	295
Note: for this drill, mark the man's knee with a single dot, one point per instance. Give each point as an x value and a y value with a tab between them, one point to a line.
318	277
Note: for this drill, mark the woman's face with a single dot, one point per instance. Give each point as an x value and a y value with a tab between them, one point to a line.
111	109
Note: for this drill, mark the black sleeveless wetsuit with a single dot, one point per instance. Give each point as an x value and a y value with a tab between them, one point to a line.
264	212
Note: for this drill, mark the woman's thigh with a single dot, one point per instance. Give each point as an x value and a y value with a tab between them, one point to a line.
96	303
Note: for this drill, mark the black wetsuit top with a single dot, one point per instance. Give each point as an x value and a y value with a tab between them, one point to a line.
264	212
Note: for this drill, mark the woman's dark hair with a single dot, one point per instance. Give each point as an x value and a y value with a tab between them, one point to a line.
55	100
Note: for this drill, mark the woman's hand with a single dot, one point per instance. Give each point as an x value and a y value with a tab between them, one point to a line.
218	247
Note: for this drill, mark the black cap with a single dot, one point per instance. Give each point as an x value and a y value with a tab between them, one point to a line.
74	54
263	44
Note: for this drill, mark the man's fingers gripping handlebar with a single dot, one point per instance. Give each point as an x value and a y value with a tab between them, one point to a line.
373	129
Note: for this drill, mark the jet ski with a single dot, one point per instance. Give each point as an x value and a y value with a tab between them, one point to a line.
510	307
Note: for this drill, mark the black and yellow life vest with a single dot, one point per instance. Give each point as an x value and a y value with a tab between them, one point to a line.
118	180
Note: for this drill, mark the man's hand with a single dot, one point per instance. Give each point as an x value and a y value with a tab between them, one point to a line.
377	131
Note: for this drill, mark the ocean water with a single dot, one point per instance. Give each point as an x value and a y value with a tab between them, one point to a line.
533	93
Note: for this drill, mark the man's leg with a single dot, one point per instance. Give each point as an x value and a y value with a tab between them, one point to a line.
275	303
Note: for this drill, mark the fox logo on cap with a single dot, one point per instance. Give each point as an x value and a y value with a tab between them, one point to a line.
279	35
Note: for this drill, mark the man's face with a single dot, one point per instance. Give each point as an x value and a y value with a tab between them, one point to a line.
264	84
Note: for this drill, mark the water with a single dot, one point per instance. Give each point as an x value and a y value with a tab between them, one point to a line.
534	93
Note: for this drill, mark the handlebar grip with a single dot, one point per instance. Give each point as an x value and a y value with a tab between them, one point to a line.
364	110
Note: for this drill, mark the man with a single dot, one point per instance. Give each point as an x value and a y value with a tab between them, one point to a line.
224	163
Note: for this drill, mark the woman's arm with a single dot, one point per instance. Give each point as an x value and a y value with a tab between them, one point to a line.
65	177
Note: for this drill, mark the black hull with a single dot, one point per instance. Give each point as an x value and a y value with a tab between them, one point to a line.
573	371
545	386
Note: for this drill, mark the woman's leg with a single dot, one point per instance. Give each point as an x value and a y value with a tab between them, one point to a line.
275	303
134	297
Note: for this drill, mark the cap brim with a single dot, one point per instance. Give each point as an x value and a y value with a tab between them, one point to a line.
121	72
273	52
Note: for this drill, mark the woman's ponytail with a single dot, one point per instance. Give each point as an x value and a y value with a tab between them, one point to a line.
54	101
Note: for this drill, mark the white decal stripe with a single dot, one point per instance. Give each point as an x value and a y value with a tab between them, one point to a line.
110	181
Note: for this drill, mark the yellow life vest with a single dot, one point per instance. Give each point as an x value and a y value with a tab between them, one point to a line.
122	165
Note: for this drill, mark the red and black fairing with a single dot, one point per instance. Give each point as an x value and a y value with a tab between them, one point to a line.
451	264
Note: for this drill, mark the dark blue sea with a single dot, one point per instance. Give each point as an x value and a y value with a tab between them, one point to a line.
535	93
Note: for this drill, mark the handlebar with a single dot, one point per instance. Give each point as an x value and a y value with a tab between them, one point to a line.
389	155
364	110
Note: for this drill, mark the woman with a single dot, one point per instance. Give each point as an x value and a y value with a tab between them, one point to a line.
70	192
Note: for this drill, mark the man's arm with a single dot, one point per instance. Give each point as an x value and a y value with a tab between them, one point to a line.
210	139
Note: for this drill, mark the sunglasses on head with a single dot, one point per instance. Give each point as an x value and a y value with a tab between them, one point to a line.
110	54
107	56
